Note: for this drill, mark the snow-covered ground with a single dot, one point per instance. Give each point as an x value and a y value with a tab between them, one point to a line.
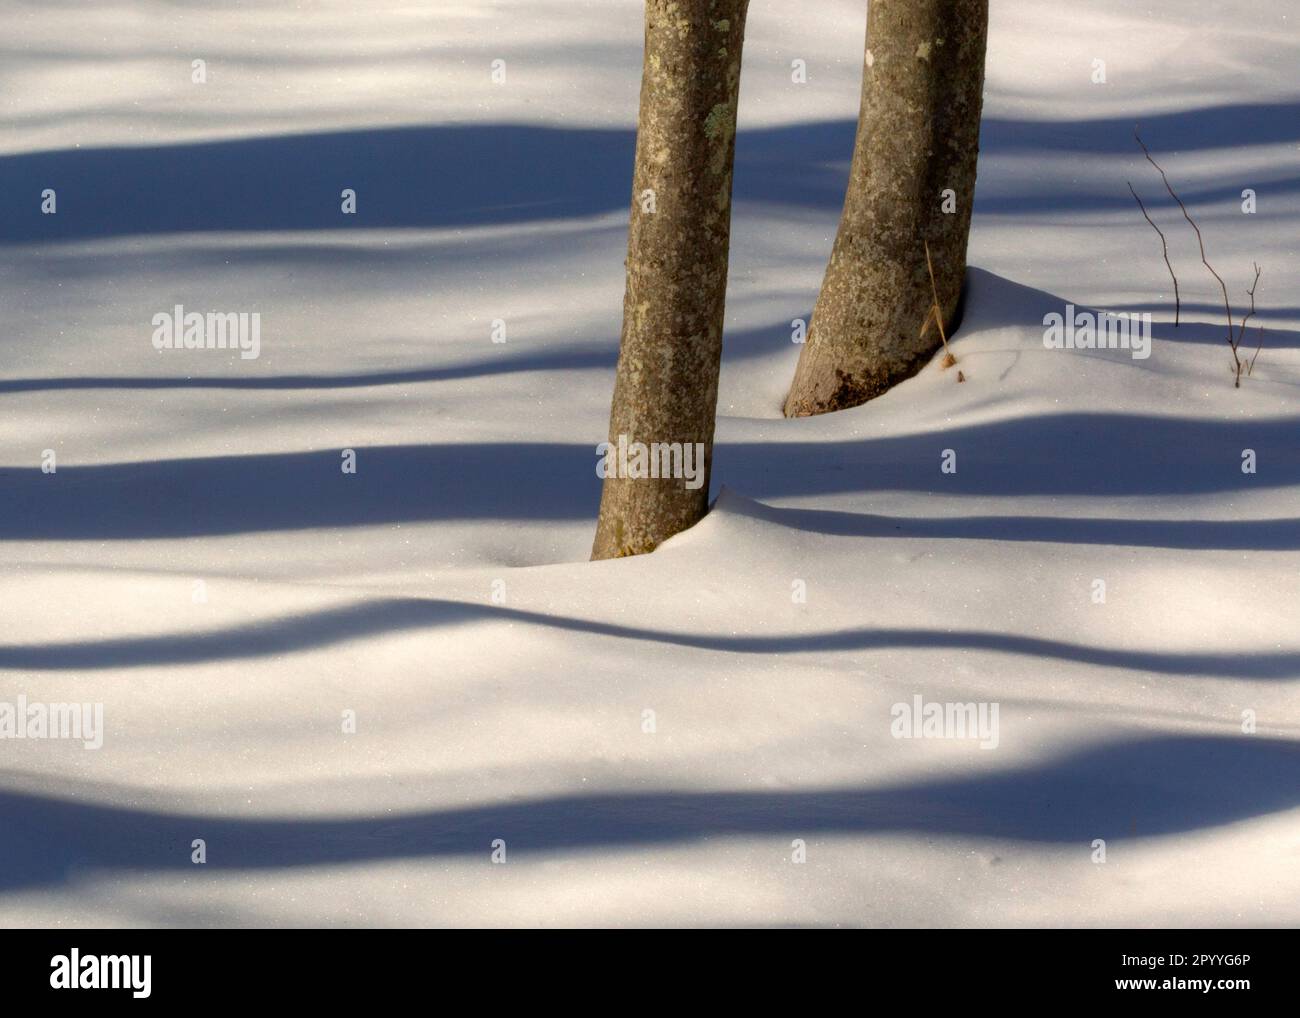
200	565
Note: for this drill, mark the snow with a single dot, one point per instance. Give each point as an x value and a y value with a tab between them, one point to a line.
499	680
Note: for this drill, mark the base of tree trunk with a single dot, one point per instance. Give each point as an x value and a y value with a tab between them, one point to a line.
827	380
900	249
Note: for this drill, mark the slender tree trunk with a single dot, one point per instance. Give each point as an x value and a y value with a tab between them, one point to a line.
666	387
911	183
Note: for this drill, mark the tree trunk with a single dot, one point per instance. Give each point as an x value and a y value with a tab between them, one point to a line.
666	386
918	137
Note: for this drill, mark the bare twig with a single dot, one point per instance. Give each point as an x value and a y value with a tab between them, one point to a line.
1250	368
937	312
1164	247
1250	293
1250	364
925	325
1233	340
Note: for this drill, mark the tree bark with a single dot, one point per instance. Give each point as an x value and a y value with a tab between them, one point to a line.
666	385
918	135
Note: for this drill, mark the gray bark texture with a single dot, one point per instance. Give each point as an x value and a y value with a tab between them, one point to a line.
918	134
666	385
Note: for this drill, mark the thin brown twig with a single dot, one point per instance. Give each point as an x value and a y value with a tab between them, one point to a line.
1250	293
1164	247
938	312
1250	367
1199	239
1250	364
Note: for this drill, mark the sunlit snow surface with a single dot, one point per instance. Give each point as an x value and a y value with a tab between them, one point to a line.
200	565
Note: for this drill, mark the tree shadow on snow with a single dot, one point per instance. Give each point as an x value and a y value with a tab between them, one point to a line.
1135	789
1101	454
741	344
317	630
480	174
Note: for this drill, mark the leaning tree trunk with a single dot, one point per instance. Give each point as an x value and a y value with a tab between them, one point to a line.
666	386
911	183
